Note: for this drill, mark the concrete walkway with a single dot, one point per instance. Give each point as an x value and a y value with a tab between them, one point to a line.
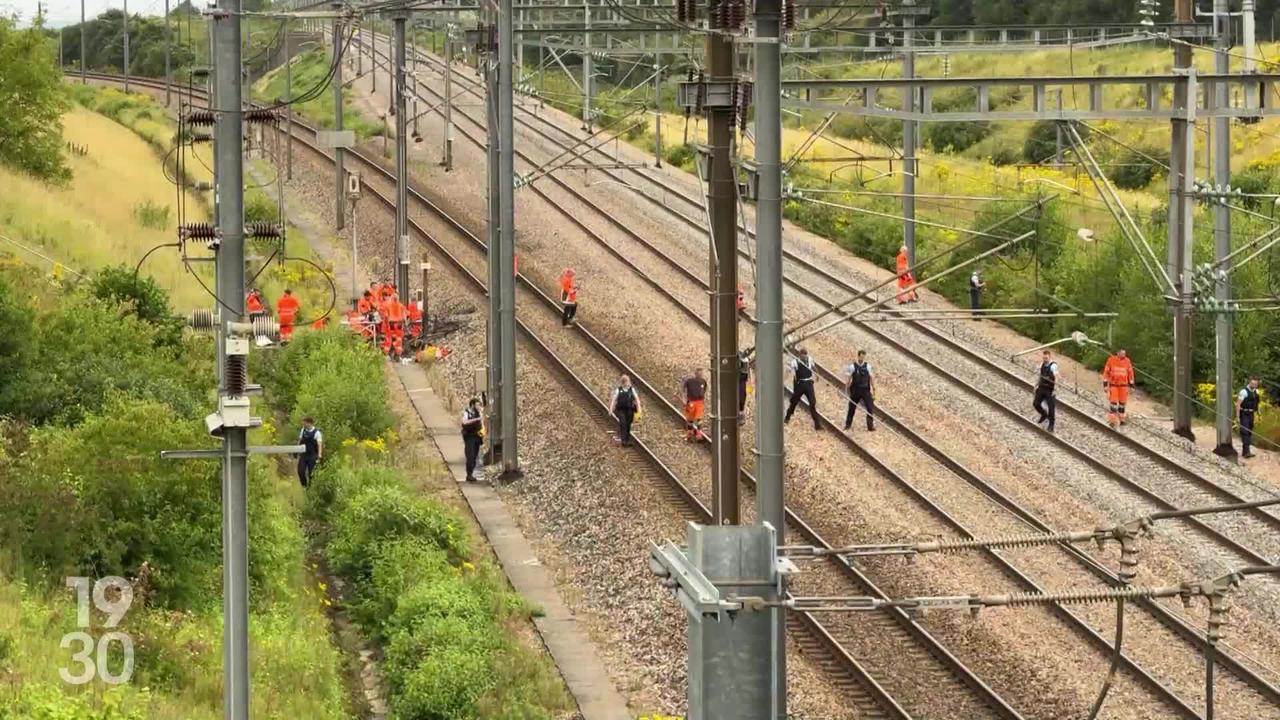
570	647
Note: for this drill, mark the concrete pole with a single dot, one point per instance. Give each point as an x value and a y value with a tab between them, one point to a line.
657	110
373	60
722	202
1250	39
402	162
448	99
911	167
770	467
339	173
84	51
1181	177
229	141
1224	408
496	385
355	254
126	45
168	54
288	108
587	70
507	239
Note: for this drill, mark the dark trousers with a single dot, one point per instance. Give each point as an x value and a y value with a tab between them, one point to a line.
803	390
974	298
625	418
1246	430
471	445
864	397
1046	404
306	466
570	310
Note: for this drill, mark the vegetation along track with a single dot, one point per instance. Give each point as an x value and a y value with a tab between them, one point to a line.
893	630
1173	622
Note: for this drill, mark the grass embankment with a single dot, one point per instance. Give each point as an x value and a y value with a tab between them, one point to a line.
117	206
92	393
443	613
309	71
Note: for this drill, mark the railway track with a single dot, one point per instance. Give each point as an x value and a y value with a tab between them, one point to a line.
847	673
1175	623
800	529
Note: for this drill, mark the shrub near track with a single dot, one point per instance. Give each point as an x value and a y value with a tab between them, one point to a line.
445	618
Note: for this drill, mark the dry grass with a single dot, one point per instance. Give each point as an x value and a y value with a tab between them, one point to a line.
94	221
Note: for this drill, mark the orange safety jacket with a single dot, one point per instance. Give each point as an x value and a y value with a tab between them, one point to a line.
253	302
902	263
571	296
1118	371
287	307
364	305
395	311
413	312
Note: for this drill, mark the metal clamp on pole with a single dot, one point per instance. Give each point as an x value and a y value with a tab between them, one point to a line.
696	593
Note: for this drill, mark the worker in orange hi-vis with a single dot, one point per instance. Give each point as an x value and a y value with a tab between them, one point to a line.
694	392
253	304
287	311
413	315
1117	378
741	301
566	279
906	283
569	301
394	340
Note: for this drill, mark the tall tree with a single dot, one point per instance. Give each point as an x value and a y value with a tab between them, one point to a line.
33	102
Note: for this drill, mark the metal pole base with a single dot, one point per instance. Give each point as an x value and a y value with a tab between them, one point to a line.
1185	432
1227	451
510	476
493	456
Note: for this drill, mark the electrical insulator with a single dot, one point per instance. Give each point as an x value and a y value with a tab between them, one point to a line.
680	14
702	91
263	229
263	116
200	137
236	375
198	231
789	14
739	14
267	327
201	117
746	104
203	320
691	10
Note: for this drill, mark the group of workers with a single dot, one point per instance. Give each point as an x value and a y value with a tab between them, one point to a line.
380	316
287	307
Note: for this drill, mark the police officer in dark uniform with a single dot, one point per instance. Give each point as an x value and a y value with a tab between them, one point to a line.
1246	410
861	390
1045	403
744	378
625	406
312	442
472	436
802	386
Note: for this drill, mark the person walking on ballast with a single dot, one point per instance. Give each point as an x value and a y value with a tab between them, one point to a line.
976	286
693	390
472	436
862	389
802	387
625	406
1246	410
1045	402
312	442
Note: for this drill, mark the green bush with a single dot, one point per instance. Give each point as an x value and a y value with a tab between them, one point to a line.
46	702
82	350
1254	180
1134	169
955	137
260	208
1042	140
33	101
148	302
382	514
151	215
398	566
445	686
